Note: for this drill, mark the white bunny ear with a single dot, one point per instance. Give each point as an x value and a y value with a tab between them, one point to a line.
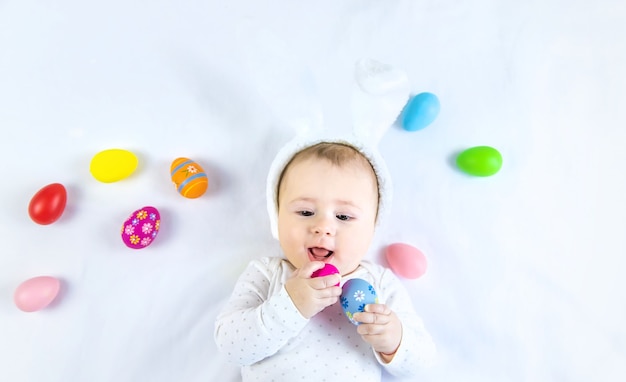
286	83
380	93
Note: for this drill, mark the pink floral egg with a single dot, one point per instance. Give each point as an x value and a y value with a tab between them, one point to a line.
141	228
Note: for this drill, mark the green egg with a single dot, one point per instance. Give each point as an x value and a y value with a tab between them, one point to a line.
480	161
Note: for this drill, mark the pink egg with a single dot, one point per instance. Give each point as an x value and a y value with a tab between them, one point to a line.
405	260
328	269
36	293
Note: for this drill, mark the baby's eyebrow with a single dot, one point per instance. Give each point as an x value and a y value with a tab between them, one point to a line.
347	203
341	202
302	199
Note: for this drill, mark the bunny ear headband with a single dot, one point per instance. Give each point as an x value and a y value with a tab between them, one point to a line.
379	93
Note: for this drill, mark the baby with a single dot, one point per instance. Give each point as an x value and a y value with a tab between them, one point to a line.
280	324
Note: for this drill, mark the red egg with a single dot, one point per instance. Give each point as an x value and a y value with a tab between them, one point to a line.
405	260
48	204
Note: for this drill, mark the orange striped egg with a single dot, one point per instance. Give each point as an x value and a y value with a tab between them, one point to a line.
189	178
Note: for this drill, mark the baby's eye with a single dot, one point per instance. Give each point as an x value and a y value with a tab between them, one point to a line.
344	217
305	213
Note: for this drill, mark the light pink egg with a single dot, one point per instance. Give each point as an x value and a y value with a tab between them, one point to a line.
36	293
405	260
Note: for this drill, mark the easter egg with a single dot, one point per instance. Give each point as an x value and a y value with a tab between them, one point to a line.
36	293
189	178
141	228
356	293
328	269
420	111
48	204
112	165
480	161
405	260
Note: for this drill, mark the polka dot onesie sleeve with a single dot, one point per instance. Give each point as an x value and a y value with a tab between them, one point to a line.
260	317
417	349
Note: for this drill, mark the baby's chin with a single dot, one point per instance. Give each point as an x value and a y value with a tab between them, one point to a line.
345	270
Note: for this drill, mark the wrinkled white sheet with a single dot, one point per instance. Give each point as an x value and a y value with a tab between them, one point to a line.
525	267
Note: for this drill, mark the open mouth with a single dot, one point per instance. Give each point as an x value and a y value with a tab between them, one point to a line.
319	254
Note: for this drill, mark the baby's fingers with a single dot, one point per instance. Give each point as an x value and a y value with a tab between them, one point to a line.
372	318
307	270
332	291
326	282
378	308
377	314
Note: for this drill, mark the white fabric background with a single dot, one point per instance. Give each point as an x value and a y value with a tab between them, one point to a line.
525	268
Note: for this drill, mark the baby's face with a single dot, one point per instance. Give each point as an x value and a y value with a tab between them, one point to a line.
327	213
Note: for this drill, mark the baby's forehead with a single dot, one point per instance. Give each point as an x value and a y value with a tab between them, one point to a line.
305	176
335	156
356	165
313	179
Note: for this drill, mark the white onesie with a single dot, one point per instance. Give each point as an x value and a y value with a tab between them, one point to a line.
262	330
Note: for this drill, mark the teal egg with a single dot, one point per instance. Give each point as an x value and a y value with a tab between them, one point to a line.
420	111
480	161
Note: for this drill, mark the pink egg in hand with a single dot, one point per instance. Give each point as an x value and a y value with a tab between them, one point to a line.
328	269
36	293
405	260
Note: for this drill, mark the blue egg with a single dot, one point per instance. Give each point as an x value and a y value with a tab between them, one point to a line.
356	293
420	111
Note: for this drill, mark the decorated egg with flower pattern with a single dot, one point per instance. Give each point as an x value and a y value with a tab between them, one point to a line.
189	178
141	228
356	293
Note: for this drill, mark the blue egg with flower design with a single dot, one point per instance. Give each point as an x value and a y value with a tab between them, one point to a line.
356	293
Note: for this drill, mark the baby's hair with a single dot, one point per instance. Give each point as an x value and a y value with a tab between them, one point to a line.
339	154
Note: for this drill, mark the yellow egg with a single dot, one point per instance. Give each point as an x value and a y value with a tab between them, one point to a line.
112	165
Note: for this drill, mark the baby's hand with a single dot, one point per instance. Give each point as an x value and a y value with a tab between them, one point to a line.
312	295
381	328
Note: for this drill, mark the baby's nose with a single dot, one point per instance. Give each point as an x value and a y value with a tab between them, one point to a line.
324	228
